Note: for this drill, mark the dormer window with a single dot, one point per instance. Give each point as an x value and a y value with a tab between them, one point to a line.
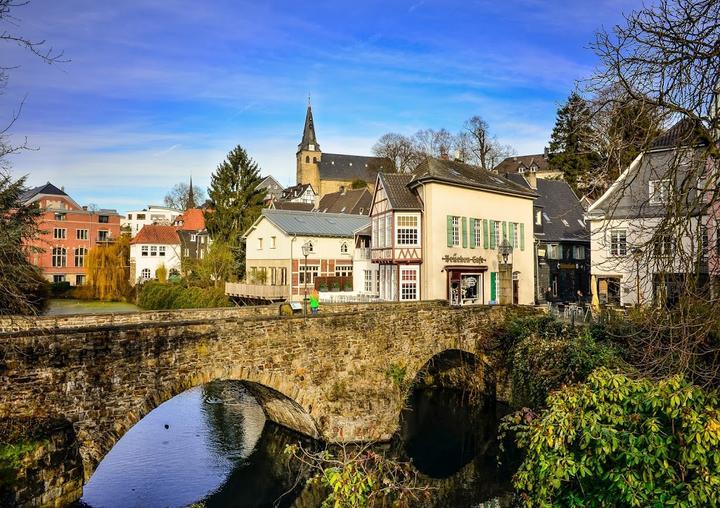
533	168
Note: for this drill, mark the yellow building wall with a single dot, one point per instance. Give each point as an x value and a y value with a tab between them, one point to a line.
309	172
443	200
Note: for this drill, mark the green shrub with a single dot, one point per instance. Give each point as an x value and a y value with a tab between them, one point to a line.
540	364
156	295
335	286
614	441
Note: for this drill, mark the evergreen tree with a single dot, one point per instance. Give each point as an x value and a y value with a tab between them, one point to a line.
235	201
23	290
571	144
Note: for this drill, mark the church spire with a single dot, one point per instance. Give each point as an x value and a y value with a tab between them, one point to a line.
309	141
190	197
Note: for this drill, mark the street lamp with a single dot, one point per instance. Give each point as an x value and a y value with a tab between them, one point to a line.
504	251
637	254
306	253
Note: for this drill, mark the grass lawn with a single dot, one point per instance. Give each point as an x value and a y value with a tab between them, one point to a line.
59	307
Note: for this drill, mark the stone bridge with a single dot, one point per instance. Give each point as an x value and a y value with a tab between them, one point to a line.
339	376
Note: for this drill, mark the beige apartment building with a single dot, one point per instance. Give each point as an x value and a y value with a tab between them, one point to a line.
441	232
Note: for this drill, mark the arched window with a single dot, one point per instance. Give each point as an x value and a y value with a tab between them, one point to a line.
59	256
307	158
315	160
344	248
145	274
80	253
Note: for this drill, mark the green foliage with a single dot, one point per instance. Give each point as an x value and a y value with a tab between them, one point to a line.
236	203
396	373
23	290
571	143
11	457
218	266
540	364
543	353
358	184
156	295
614	441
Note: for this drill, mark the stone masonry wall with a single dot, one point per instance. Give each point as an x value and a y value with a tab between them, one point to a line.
332	367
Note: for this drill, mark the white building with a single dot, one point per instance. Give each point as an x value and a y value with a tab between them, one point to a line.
366	274
276	268
162	215
632	262
152	247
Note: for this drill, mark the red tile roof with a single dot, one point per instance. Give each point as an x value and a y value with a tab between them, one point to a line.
155	234
191	220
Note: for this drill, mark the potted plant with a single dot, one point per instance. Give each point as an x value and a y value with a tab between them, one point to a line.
348	286
323	286
335	286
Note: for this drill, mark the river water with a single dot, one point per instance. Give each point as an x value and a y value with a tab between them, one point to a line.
212	444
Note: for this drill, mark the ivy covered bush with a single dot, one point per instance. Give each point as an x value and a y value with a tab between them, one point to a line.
615	441
157	295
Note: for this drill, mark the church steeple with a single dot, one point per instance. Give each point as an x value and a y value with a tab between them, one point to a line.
190	197
309	141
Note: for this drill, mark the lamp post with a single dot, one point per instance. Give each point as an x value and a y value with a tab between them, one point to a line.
505	249
306	253
637	255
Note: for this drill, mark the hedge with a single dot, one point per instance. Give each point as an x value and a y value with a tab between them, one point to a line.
158	296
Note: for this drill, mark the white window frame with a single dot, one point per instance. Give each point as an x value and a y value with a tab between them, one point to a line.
659	191
618	242
59	257
455	223
516	235
407	235
312	270
260	244
60	233
81	234
79	254
343	270
388	230
498	234
368	281
161	250
344	248
478	233
144	250
145	274
153	250
273	242
409	285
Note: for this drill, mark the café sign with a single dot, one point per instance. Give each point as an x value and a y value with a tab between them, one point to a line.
463	259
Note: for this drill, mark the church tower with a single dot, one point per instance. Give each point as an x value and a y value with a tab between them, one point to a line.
308	154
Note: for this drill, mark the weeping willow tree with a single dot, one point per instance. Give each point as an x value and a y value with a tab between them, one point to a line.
108	270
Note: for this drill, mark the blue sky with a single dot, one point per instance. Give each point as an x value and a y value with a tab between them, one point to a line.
157	90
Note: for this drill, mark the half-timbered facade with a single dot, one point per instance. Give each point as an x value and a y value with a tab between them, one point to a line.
436	234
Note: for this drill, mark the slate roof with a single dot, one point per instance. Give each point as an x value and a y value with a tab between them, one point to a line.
308	137
290	205
315	224
296	191
465	175
336	166
355	201
398	192
48	188
515	163
681	134
156	234
191	220
563	212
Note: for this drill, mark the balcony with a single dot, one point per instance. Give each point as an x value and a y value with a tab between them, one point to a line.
362	254
257	291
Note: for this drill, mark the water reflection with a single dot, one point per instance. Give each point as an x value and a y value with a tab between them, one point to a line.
212	444
205	444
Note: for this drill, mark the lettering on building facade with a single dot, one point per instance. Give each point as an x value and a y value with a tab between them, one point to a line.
463	259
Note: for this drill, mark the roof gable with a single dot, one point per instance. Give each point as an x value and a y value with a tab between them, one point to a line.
156	234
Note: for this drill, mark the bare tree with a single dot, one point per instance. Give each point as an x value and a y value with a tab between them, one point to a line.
433	143
665	59
179	196
484	149
399	149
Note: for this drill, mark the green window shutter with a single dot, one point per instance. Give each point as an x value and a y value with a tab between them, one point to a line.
504	230
492	234
472	233
522	236
512	235
450	230
493	276
464	232
486	236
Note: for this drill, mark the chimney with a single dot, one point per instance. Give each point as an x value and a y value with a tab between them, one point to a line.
531	178
342	190
444	154
545	152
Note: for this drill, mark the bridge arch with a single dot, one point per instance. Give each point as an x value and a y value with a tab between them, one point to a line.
281	401
455	368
